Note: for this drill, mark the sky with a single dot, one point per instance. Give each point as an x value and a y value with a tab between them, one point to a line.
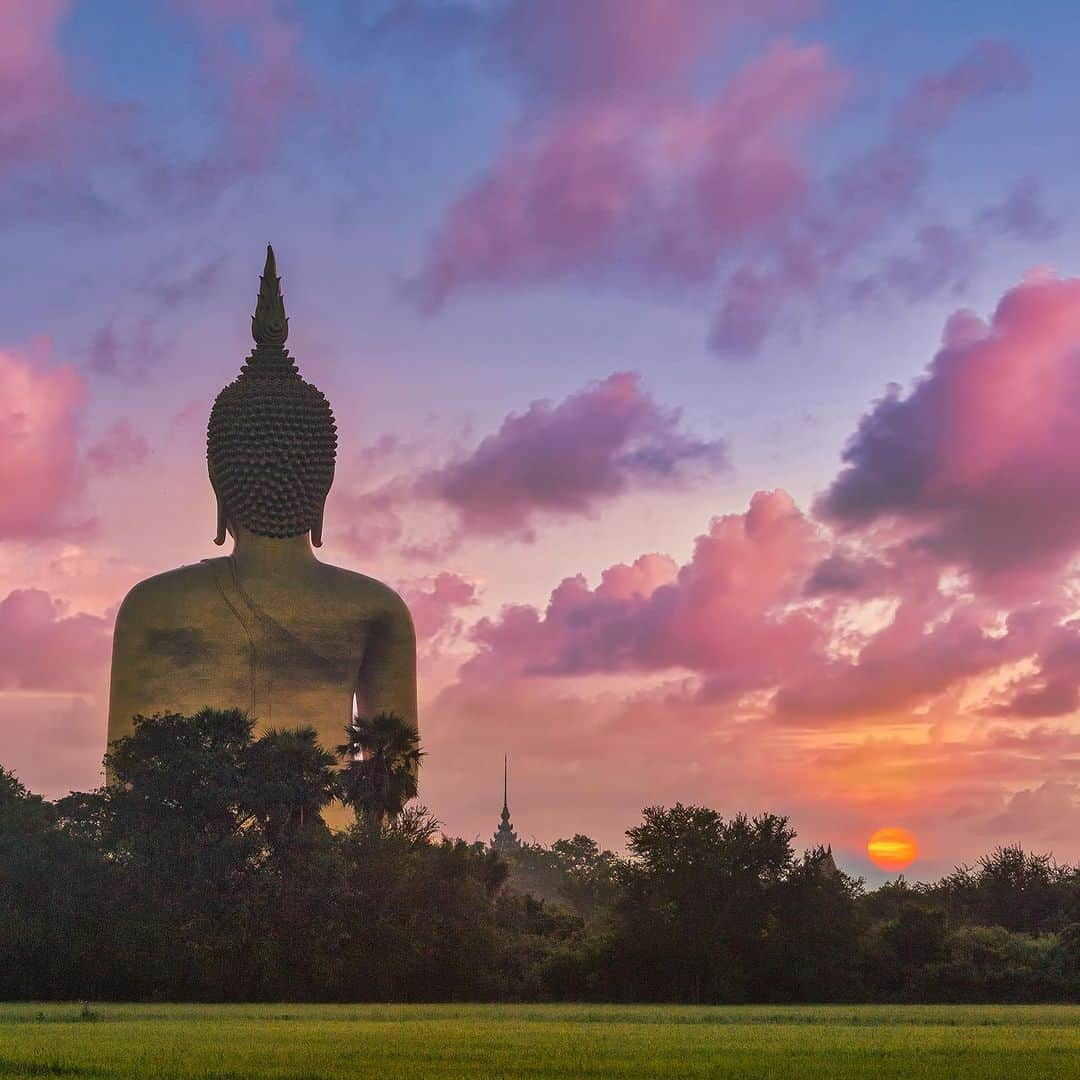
706	374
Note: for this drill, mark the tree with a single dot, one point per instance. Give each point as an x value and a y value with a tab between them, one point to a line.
204	871
419	916
57	907
221	857
173	810
817	933
1017	889
288	778
381	755
697	912
588	874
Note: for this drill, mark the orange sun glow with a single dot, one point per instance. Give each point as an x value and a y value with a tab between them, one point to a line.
892	849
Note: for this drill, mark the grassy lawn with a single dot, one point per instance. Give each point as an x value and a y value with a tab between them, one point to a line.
330	1041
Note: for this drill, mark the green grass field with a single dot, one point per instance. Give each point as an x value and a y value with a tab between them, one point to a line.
313	1041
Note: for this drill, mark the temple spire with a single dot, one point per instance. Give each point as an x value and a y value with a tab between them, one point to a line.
505	840
269	324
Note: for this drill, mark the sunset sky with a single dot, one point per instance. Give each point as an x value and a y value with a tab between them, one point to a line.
707	376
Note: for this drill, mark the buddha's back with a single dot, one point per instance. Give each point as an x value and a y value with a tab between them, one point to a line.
268	629
290	644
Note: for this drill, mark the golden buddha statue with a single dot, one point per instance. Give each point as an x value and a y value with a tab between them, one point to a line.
268	628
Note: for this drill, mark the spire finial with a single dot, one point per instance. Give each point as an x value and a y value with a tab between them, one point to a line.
505	840
269	324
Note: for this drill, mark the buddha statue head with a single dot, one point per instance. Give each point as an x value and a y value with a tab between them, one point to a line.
271	441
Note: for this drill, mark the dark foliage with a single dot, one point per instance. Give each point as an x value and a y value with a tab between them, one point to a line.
204	871
381	757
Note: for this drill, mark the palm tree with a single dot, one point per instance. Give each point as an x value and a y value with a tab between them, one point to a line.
288	778
382	757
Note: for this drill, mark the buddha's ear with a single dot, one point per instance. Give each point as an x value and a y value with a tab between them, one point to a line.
222	522
316	528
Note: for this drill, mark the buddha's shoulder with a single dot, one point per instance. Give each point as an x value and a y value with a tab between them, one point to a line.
367	592
172	591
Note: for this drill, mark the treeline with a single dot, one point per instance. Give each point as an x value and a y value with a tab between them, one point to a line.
203	871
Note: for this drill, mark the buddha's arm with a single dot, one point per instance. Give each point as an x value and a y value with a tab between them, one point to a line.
387	680
125	685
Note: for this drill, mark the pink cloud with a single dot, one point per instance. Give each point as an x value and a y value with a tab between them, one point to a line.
976	462
619	170
568	458
989	68
200	278
40	470
436	603
560	49
47	649
848	214
918	656
554	200
1053	689
249	66
555	460
863	575
1049	812
41	110
127	352
748	306
120	447
940	261
745	173
1022	212
654	188
372	519
51	127
725	614
248	54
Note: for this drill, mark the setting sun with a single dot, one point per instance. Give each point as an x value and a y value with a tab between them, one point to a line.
892	849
